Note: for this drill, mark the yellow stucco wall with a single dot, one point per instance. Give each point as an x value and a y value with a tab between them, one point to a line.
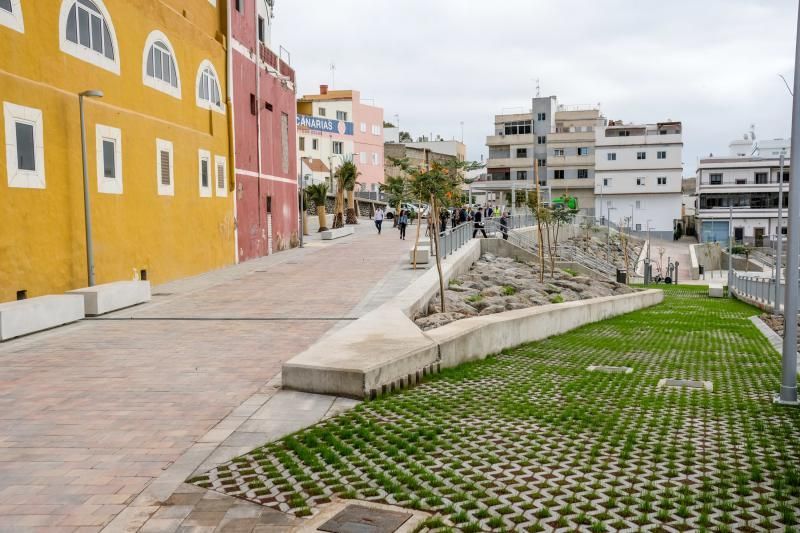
42	245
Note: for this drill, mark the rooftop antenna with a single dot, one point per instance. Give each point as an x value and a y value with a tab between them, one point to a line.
538	89
333	75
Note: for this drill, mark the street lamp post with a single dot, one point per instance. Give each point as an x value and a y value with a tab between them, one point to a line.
87	206
779	246
730	250
788	393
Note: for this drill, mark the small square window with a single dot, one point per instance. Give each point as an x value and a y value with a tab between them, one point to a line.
583	150
558	174
542	162
24	136
204	170
221	182
522	153
522	174
583	173
541	139
558	152
661	155
109	159
337	147
322	111
662	180
164	168
640	181
641	155
612	156
541	116
606	183
315	144
341	115
715	179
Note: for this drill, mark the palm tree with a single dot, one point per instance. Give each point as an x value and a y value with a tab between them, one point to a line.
349	173
318	194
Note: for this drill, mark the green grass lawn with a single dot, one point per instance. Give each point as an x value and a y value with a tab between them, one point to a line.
530	440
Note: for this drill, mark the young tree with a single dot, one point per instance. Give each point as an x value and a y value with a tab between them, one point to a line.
532	201
318	194
396	188
438	184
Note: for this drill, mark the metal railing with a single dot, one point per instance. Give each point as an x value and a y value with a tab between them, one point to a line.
452	239
758	289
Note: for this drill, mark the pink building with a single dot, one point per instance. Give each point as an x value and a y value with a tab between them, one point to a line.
265	135
335	126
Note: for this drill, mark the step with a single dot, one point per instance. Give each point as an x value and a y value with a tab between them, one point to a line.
329	235
36	314
107	297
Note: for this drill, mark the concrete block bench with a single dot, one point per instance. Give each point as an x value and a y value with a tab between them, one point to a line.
329	235
715	290
108	297
423	255
36	314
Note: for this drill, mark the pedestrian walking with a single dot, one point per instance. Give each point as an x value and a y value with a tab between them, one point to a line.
443	220
378	219
478	224
462	215
489	211
402	221
504	226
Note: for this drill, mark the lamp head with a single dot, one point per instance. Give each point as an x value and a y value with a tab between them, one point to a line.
92	93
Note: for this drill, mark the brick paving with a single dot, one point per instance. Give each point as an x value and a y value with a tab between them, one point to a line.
91	414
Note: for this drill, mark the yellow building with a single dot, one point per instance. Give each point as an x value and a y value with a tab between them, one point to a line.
157	142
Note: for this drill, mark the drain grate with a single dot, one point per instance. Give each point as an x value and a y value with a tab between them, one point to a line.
691	384
362	519
610	369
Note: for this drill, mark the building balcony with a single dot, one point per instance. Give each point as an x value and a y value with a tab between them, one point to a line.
639	140
573	183
501	140
583	161
570	137
523	163
770	184
278	65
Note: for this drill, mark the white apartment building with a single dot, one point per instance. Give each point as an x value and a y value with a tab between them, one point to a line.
570	154
638	175
747	179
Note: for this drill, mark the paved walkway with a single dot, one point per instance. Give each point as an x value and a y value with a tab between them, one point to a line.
94	413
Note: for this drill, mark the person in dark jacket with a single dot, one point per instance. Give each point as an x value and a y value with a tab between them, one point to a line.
462	215
504	226
402	222
477	220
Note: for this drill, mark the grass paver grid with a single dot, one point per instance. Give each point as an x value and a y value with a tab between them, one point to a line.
530	440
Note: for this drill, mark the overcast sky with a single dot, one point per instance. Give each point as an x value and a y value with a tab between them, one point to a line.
712	64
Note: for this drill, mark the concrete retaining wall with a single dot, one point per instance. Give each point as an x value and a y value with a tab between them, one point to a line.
37	314
384	350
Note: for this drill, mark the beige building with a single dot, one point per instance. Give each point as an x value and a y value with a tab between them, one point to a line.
571	154
417	157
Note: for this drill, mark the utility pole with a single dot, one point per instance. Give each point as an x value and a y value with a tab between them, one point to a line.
788	393
87	206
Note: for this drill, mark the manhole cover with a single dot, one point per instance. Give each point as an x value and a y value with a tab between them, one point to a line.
361	519
690	384
610	369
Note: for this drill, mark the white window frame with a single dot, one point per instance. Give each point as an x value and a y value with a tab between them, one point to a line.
340	145
607	183
322	112
611	156
641	181
363	127
208	104
81	52
204	155
641	156
25	179
14	19
165	146
363	157
376	130
659	154
375	158
314	144
341	115
660	179
104	184
558	152
156	83
221	160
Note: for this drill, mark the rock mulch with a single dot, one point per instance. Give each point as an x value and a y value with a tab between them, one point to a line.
596	246
775	322
498	284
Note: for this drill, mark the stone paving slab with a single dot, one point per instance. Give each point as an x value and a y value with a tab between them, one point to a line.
95	413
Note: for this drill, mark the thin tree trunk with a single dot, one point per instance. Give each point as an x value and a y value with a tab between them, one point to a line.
539	222
438	257
548	229
419	225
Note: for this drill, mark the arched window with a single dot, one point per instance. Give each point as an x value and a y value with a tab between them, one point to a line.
11	15
208	92
159	68
86	32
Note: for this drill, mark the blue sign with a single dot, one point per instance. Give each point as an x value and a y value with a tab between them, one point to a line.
325	125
